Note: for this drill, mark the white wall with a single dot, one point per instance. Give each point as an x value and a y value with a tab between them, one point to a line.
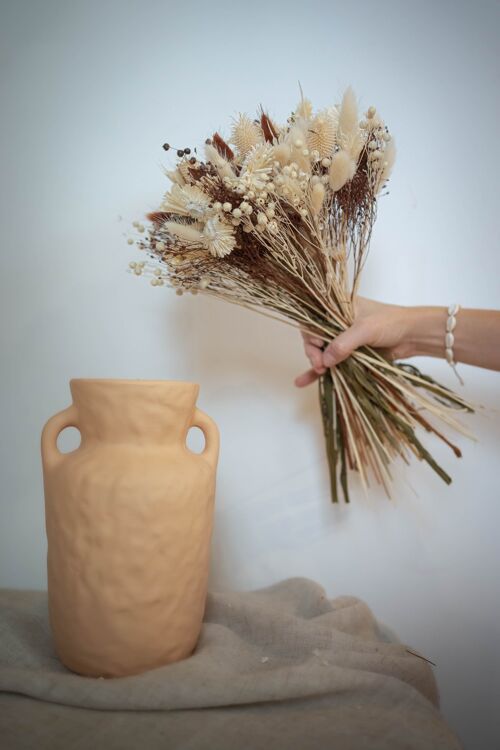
89	92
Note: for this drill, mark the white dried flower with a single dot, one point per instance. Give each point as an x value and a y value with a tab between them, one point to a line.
187	200
218	238
257	167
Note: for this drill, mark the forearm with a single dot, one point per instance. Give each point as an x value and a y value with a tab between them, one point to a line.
477	335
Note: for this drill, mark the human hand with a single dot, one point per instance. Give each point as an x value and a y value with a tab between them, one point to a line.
376	324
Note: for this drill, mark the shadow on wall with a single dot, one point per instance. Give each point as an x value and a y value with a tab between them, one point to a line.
246	364
227	347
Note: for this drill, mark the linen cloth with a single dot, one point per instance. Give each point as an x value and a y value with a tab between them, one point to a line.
279	667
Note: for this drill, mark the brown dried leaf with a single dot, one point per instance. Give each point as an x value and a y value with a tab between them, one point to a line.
222	147
268	128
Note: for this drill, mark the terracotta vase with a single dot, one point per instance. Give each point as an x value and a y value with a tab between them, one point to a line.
129	518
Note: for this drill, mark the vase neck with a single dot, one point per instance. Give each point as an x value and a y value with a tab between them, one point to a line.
134	411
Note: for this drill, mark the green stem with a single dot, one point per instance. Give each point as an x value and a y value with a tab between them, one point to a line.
326	397
332	429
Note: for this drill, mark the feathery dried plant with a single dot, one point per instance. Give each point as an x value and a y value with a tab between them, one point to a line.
282	225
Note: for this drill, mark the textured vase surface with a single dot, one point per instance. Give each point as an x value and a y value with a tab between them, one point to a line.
129	517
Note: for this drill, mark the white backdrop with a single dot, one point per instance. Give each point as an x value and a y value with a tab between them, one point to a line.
89	92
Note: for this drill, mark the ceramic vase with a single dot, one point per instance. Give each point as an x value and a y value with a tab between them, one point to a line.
129	518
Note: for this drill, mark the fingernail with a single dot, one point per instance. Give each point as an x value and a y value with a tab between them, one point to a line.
320	370
328	360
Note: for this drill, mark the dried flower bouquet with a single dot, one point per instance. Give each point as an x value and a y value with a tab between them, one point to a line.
280	222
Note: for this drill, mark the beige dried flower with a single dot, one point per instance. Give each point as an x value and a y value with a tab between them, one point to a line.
187	200
341	170
296	139
334	112
183	169
283	153
188	233
348	116
350	137
304	109
355	145
321	134
291	188
387	162
317	197
245	134
175	176
221	164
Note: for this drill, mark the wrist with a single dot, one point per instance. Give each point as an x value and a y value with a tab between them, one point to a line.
426	327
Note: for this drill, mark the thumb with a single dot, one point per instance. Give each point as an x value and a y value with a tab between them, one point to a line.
344	344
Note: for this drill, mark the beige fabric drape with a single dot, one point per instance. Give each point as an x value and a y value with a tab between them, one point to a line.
281	667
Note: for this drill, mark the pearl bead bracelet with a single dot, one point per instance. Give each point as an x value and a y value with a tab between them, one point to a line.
449	338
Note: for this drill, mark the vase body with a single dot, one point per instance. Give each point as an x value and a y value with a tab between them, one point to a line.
129	518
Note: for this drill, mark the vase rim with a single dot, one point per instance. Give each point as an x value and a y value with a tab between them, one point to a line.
132	381
138	381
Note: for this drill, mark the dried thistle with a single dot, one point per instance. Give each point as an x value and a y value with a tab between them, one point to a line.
245	135
321	134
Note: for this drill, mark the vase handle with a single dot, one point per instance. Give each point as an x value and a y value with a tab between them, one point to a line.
211	433
51	454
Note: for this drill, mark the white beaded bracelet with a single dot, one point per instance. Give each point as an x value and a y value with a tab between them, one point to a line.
449	338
